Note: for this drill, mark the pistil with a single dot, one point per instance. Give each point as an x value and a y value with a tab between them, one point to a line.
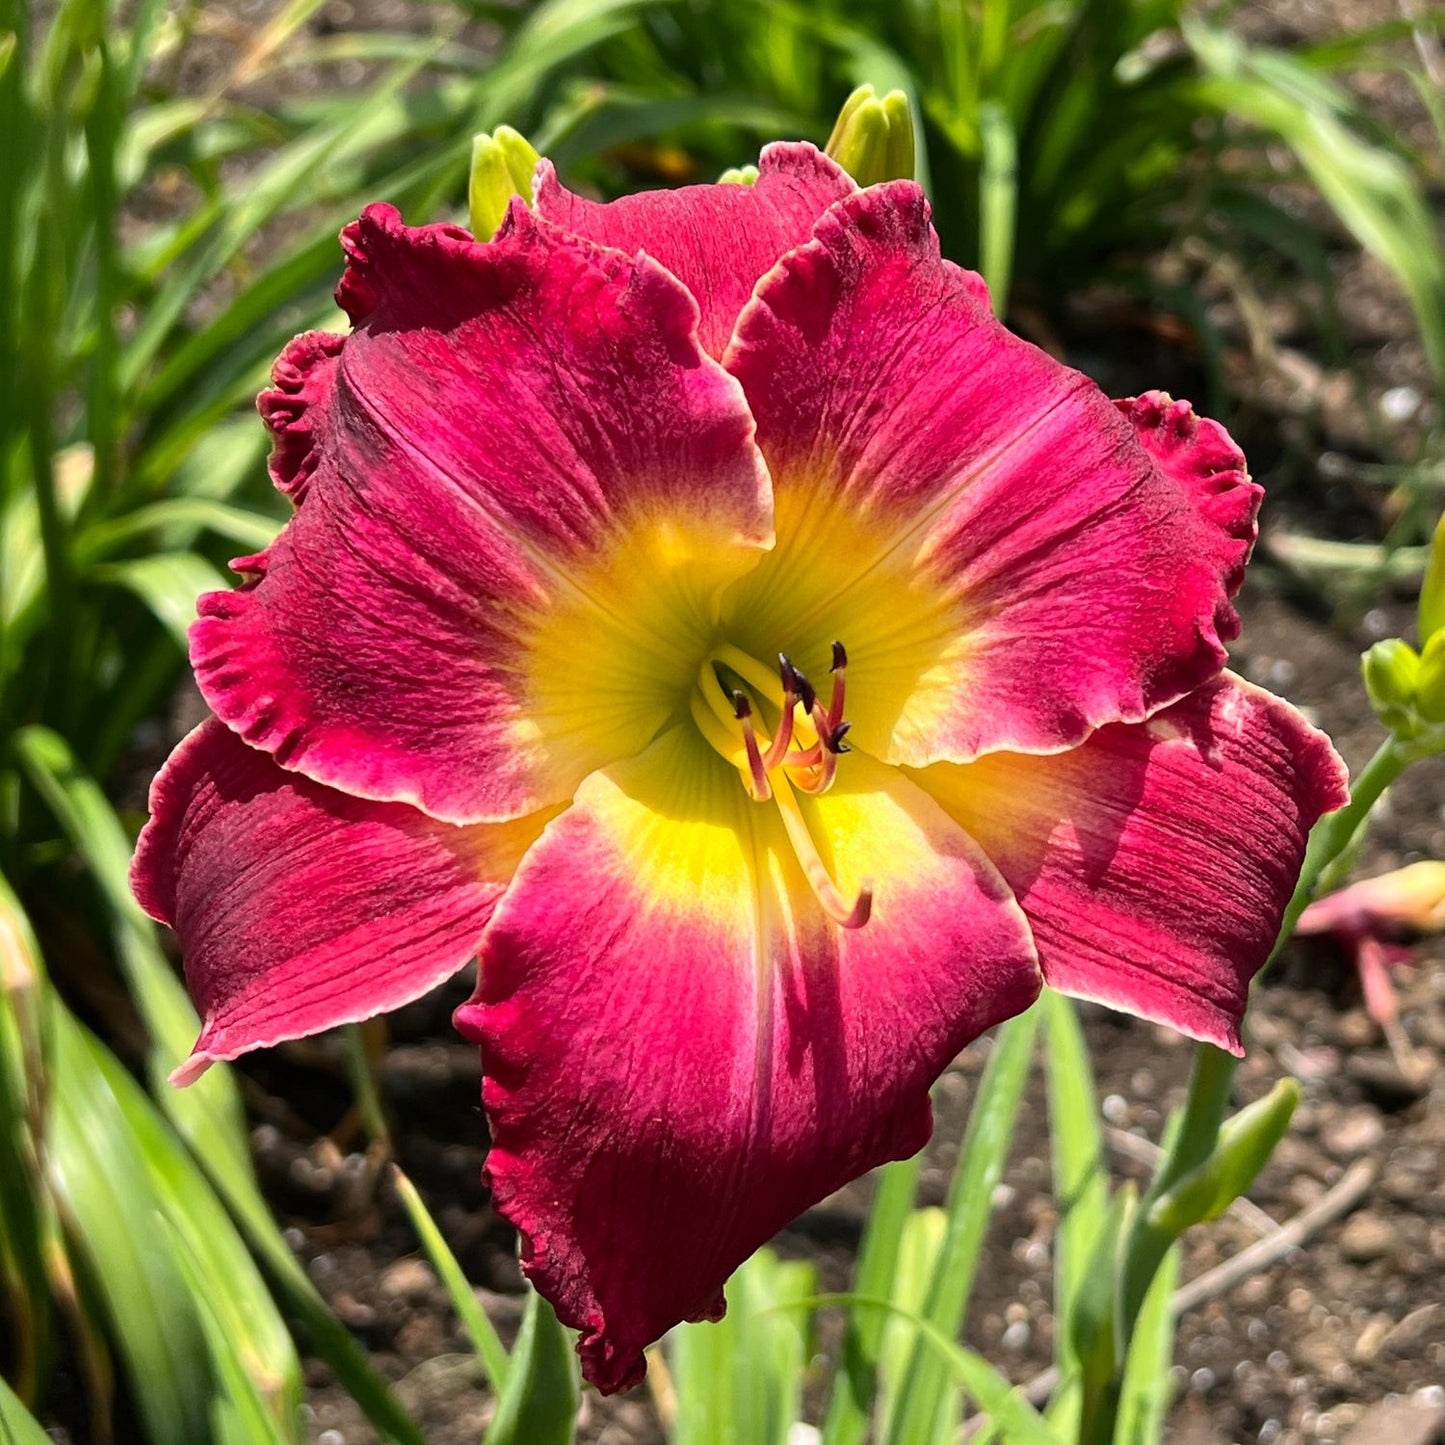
844	914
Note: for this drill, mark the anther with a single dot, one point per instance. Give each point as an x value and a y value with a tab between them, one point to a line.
761	790
835	703
802	687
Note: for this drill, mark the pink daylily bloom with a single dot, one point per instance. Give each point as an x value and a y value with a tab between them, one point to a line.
702	610
1370	919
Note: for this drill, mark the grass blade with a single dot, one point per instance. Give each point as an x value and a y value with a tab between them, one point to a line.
538	1405
969	1206
742	1377
208	1114
1020	1422
480	1330
99	1180
1369	188
17	1425
1147	1386
1081	1186
856	1383
168	583
997	201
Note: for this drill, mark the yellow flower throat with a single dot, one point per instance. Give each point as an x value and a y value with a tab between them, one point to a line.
800	756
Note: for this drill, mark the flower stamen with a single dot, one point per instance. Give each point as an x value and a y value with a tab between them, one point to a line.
808	737
801	756
760	790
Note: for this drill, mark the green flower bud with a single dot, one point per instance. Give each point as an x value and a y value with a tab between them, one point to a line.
738	176
1432	589
873	139
1391	670
1430	689
1244	1146
502	166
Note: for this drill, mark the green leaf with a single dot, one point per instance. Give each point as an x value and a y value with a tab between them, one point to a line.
1148	1388
741	1378
970	1201
168	583
484	1338
248	1342
17	1425
998	200
538	1404
924	1233
27	1215
97	1172
1432	588
208	1112
1093	1321
179	519
1081	1184
1021	1423
856	1383
1369	188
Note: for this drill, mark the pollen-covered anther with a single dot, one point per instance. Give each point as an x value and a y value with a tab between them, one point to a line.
816	767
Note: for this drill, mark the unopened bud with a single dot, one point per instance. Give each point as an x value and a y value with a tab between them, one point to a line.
738	176
1245	1144
873	139
502	167
1391	671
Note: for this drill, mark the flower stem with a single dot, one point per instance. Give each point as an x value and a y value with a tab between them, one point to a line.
1332	845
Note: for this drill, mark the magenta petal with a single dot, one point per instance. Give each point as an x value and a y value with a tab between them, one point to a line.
1010	560
298	907
1210	469
525	488
1155	861
718	240
681	1052
302	380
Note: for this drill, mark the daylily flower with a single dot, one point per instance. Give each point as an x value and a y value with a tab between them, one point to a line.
1371	919
702	610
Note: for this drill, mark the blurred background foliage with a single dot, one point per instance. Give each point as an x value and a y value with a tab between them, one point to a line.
172	180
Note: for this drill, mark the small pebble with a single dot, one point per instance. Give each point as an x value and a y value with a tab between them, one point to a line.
1367	1237
1415	1328
407	1279
1400	403
1353	1133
